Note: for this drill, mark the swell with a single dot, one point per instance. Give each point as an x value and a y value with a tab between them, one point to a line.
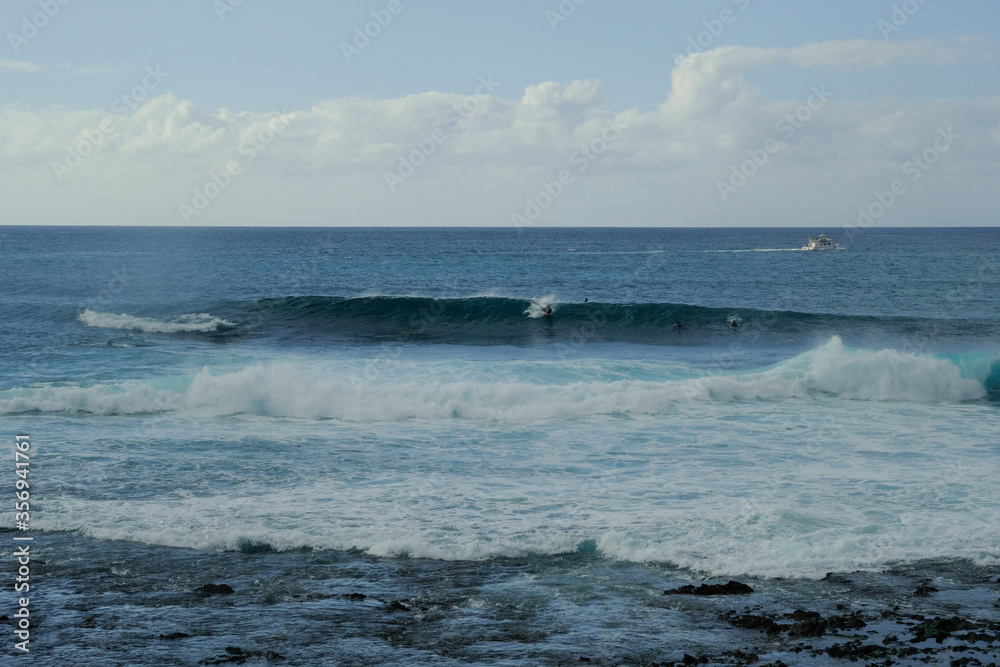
492	320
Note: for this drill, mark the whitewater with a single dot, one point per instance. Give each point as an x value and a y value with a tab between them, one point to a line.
343	391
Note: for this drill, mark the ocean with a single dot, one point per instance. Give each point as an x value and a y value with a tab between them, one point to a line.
381	447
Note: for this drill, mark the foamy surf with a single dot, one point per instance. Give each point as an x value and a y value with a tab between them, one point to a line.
285	390
796	531
189	322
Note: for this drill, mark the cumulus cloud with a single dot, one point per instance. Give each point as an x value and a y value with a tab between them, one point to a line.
495	148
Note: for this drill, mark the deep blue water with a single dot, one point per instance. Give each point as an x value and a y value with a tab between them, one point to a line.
310	413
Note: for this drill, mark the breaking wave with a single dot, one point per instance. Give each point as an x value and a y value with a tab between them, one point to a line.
284	390
190	322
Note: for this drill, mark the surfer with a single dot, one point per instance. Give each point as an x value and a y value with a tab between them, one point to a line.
678	326
585	300
548	313
734	324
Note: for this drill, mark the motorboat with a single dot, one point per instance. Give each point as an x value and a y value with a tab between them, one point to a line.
821	242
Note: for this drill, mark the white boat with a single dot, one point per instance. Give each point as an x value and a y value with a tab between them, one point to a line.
821	243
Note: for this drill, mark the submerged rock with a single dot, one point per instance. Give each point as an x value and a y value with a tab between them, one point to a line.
807	624
237	655
729	588
753	622
215	589
858	650
847	622
940	628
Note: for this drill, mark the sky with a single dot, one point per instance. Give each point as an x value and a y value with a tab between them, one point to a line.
718	113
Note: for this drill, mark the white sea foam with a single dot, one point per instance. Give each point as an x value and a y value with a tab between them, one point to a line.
189	322
537	307
284	390
633	519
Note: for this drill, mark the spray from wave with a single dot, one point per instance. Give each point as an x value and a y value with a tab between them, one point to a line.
540	307
190	322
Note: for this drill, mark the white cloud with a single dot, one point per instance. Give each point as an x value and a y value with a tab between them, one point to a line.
19	66
88	70
328	164
863	54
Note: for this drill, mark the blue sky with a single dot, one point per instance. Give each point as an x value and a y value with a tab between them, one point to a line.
265	57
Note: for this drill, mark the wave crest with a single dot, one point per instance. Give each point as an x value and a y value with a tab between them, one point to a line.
190	322
283	390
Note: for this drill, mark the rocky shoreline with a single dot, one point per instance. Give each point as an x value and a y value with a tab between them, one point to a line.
128	604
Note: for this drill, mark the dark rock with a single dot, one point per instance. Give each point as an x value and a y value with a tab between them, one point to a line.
807	624
962	662
583	659
175	635
237	655
396	605
215	589
355	597
940	629
730	588
754	622
743	658
856	650
849	622
691	660
924	591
